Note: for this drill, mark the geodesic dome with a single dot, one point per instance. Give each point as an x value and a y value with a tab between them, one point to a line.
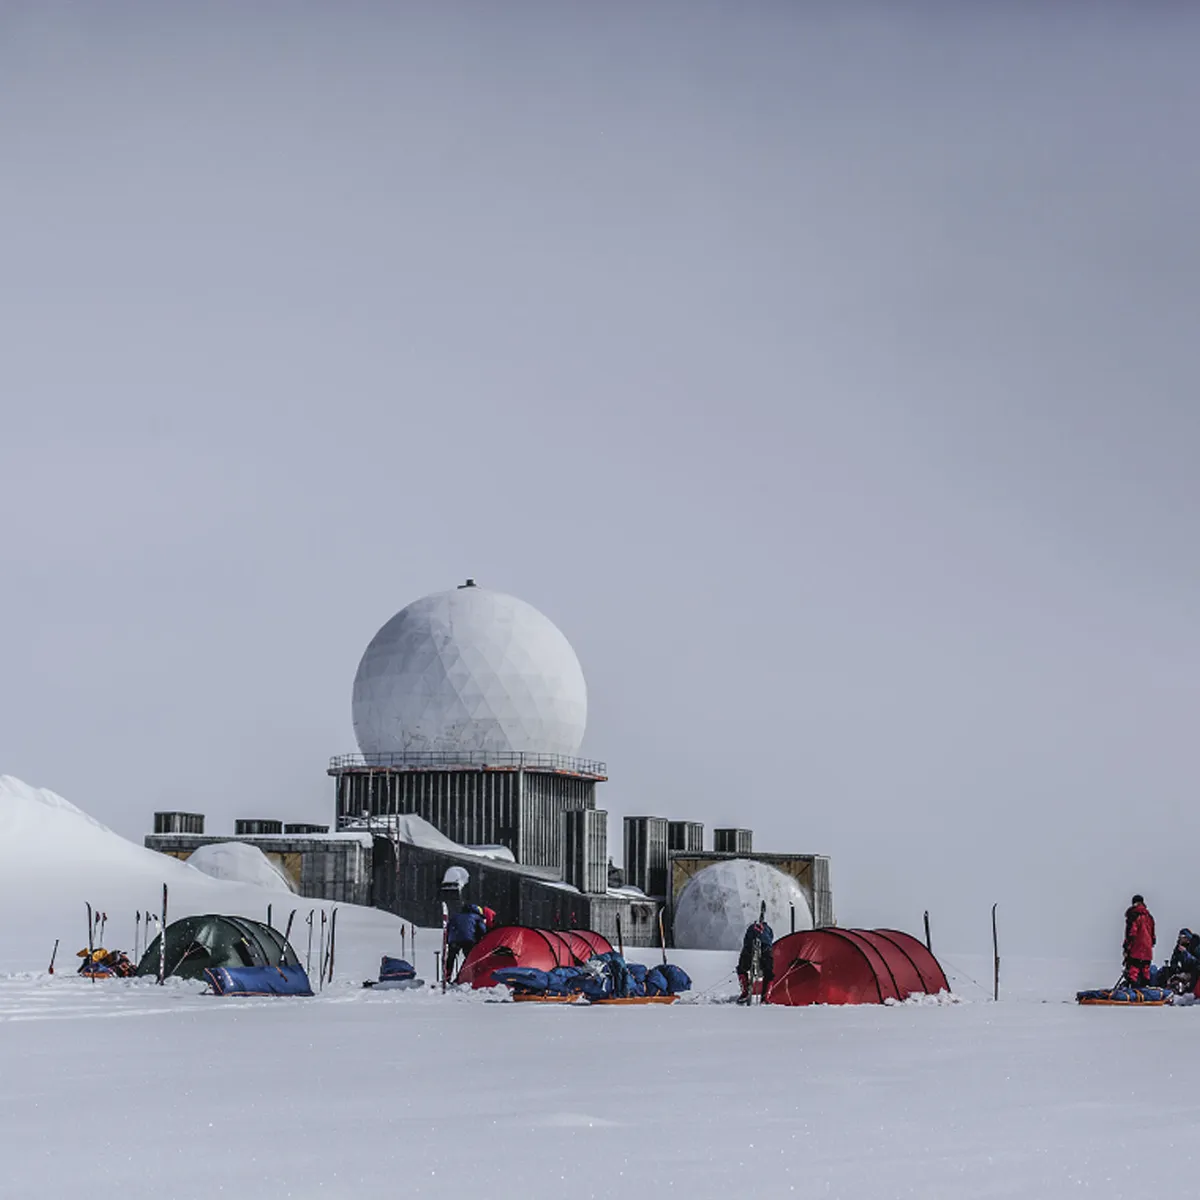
717	904
469	670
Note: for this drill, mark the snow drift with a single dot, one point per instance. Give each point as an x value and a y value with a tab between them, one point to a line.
239	863
54	858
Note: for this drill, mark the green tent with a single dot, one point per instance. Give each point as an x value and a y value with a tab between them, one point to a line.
196	943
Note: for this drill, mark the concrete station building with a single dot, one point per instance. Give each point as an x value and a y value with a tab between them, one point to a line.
470	707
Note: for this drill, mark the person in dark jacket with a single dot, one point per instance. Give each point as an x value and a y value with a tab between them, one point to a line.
1183	971
757	935
1139	943
463	930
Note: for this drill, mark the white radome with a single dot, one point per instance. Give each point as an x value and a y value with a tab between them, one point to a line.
717	904
469	670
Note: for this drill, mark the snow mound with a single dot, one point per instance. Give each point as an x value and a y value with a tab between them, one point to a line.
55	858
717	904
240	863
21	805
416	831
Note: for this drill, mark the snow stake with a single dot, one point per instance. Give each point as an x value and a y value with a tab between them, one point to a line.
995	958
53	955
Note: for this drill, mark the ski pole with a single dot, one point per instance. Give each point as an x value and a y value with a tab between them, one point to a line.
91	943
269	925
137	934
53	956
308	956
332	941
287	933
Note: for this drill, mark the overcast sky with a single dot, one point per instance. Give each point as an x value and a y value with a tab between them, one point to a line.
828	373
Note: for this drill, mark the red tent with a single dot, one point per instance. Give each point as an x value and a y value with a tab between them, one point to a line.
509	946
852	966
585	944
520	946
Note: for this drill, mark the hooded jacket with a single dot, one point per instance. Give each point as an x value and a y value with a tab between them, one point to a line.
1139	933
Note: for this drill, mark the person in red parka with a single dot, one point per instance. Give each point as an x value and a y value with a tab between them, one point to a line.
1139	943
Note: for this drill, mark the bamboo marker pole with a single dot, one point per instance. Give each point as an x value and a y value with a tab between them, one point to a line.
995	958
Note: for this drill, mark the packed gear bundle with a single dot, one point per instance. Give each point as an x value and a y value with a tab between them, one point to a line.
1144	997
395	974
105	964
606	978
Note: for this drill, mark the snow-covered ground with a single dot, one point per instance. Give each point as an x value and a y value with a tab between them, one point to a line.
130	1089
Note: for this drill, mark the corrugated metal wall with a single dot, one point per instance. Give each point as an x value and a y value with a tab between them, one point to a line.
822	894
646	854
733	841
585	850
685	835
518	809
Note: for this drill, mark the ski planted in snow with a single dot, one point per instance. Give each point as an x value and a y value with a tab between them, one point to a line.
287	933
321	953
332	941
162	944
445	941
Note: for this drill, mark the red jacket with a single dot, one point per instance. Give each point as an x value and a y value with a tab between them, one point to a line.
1139	933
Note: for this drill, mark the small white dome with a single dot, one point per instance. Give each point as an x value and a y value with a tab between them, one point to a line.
717	904
469	670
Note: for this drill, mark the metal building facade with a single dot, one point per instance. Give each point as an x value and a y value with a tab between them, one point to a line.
646	854
733	841
515	800
585	850
685	835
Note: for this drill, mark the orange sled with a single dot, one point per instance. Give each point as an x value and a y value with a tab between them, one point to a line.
637	1000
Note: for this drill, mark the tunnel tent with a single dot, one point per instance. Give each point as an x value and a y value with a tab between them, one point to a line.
585	943
852	966
508	946
194	944
521	946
